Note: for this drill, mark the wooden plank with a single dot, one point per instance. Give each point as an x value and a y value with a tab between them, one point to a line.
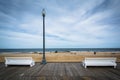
58	71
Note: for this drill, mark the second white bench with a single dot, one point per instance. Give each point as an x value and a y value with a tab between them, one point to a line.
109	61
19	61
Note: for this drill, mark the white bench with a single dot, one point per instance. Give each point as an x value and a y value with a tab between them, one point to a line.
19	61
110	61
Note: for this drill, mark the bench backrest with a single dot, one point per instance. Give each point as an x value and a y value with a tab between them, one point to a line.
100	59
18	58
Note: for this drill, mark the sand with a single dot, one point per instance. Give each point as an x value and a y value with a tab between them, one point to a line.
61	56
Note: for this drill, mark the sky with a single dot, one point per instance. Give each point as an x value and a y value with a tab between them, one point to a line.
68	23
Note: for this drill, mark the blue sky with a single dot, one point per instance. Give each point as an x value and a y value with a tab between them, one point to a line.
69	23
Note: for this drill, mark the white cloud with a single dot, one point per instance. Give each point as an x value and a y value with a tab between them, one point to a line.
12	38
74	24
79	31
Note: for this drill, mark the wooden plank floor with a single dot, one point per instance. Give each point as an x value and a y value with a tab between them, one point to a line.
58	71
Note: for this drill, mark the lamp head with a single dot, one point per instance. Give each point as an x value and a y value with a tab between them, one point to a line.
43	12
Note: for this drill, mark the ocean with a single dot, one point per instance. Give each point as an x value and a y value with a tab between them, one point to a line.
62	50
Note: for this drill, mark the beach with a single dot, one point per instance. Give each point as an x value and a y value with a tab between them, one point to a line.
76	56
60	66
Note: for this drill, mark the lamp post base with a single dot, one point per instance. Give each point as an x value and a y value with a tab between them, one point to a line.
44	61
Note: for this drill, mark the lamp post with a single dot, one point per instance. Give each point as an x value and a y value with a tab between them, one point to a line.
43	59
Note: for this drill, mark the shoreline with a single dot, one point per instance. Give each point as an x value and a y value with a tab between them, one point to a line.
37	52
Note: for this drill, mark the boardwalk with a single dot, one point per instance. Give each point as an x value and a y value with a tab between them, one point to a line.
58	71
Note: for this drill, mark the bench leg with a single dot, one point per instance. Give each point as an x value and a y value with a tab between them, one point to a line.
31	65
6	65
83	64
114	66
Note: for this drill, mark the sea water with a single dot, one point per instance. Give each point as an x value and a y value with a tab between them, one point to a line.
62	50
